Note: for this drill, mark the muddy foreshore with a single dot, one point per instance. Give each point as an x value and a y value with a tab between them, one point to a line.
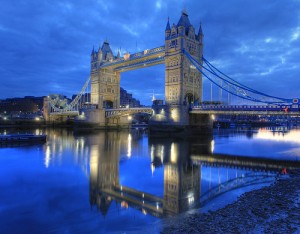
272	209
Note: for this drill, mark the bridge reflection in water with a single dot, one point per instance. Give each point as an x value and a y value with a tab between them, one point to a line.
182	163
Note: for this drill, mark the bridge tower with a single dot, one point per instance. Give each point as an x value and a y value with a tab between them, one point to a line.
183	83
105	85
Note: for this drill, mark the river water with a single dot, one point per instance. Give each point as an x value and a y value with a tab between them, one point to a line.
125	182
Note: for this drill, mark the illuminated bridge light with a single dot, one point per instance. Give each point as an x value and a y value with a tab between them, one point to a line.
212	145
129	146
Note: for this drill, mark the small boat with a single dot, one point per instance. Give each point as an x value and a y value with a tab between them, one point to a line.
13	138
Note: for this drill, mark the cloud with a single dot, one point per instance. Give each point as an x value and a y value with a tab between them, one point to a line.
49	42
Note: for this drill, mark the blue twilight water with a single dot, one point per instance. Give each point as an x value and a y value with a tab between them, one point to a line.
120	182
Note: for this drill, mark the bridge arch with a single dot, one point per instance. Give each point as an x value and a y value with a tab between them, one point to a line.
108	104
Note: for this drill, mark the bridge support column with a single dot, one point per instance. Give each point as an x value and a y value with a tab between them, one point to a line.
176	120
46	109
200	124
119	122
92	118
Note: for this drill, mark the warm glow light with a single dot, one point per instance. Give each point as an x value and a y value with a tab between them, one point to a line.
174	153
152	153
129	117
175	115
129	139
37	119
126	56
212	146
213	117
191	199
162	154
152	168
47	156
144	211
124	204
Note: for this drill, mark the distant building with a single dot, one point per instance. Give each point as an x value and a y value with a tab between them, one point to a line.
126	99
157	102
21	106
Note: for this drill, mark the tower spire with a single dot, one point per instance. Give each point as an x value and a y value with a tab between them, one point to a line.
153	97
200	30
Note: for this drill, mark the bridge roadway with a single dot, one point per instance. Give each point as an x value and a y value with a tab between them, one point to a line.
204	109
65	113
145	202
217	109
127	111
291	110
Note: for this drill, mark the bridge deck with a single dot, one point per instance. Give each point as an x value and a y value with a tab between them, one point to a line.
127	111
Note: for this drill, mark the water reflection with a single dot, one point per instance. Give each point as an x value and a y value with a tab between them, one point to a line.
182	162
193	172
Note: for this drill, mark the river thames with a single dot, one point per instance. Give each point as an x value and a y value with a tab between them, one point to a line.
122	182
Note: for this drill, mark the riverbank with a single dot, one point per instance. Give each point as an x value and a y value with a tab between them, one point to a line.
272	209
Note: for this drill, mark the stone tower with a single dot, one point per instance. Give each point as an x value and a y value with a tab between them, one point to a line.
105	85
183	83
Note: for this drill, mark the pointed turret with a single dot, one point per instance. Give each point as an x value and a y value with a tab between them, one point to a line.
119	53
93	55
168	29
184	22
200	30
99	54
200	34
106	51
168	25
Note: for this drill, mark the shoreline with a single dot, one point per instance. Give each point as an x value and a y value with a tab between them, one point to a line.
271	209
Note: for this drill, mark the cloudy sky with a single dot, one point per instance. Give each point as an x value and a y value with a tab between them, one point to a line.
46	44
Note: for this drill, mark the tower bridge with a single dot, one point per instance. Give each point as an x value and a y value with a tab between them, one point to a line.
185	67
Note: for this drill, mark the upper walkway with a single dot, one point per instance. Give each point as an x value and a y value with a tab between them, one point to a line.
145	58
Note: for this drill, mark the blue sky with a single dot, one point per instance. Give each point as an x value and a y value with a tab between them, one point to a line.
46	45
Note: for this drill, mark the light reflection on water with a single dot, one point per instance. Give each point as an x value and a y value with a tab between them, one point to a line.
121	181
